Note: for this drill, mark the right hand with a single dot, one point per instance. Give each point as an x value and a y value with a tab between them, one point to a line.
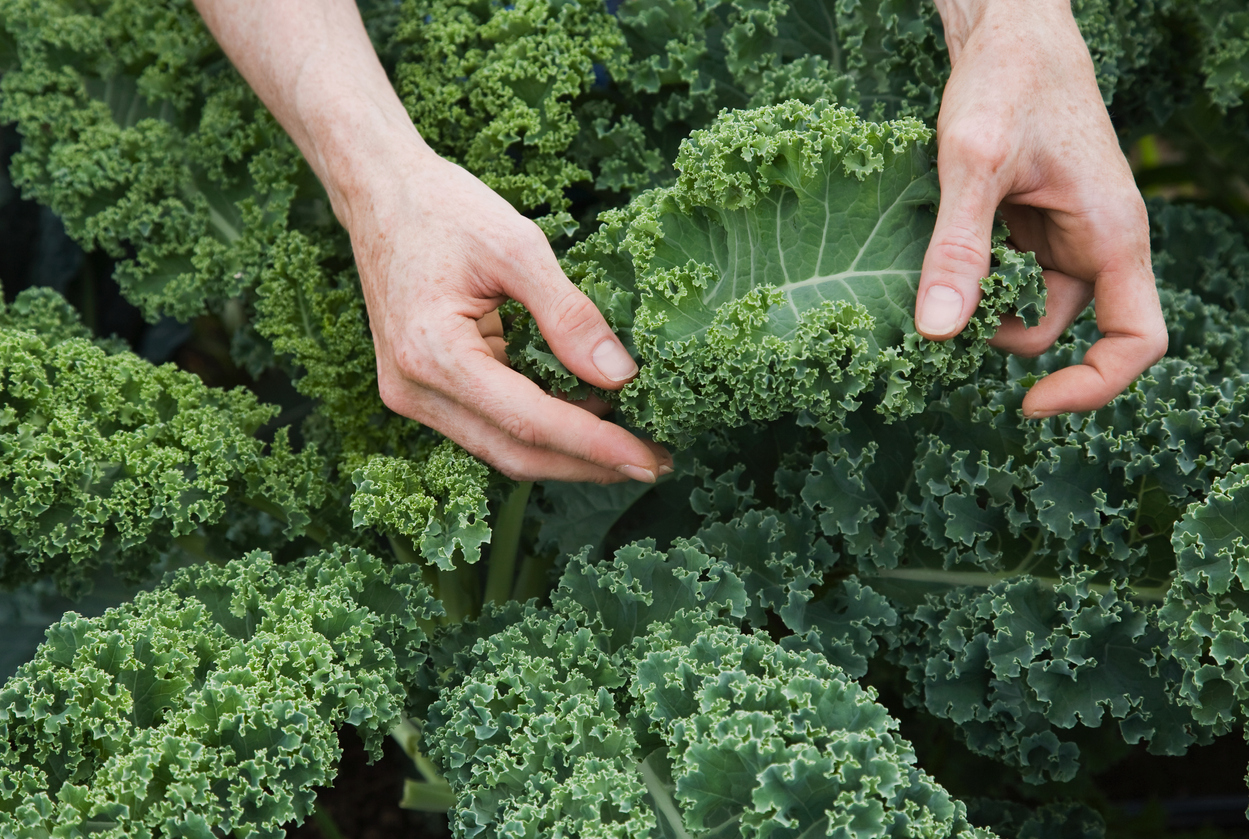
438	251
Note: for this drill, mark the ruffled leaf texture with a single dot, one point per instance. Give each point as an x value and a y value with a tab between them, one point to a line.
439	503
210	706
106	459
147	144
1034	580
636	707
779	274
516	93
1207	611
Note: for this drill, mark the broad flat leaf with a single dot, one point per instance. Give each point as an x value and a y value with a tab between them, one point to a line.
779	274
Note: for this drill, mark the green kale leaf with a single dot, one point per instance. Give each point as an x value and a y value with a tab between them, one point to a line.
211	705
779	274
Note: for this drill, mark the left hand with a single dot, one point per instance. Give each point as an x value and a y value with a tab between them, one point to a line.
1023	131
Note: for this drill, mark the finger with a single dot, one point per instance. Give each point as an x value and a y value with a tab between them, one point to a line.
662	455
1129	317
498	348
479	437
573	326
958	254
525	413
599	408
490	325
591	403
1065	298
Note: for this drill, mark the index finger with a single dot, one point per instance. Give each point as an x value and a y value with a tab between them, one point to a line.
536	419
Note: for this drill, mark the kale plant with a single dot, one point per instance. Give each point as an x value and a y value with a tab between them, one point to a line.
862	537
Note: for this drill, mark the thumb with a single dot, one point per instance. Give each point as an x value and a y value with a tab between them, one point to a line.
576	330
956	260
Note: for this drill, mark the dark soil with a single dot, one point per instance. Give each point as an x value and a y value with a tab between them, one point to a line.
364	801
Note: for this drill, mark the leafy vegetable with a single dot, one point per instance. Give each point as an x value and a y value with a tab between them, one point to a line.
211	704
105	459
513	92
779	274
137	132
860	527
638	702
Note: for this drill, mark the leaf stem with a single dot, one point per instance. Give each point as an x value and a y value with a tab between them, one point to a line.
505	544
456	588
663	799
325	823
428	798
532	580
408	735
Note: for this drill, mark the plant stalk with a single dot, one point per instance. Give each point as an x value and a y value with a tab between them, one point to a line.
326	824
505	544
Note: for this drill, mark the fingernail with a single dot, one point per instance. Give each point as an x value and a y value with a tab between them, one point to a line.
1037	415
637	473
613	361
665	469
941	312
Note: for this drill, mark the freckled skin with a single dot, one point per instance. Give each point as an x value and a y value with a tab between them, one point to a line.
1062	184
438	251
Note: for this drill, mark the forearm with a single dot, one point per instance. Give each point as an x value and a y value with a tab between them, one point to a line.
961	17
312	64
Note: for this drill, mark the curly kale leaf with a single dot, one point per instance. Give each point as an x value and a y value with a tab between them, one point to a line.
689	60
138	133
1015	664
106	459
1207	609
314	317
636	707
981	531
962	540
779	274
1057	820
439	503
210	706
1224	51
758	741
513	93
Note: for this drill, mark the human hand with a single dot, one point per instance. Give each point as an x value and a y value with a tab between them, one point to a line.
1023	131
437	252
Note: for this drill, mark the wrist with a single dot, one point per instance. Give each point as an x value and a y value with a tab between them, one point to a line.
358	142
961	18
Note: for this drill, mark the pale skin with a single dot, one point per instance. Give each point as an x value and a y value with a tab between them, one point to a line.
1023	131
1022	128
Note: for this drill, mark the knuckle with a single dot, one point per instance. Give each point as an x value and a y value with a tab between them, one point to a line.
573	314
410	364
520	427
524	241
1157	345
977	148
959	246
391	393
